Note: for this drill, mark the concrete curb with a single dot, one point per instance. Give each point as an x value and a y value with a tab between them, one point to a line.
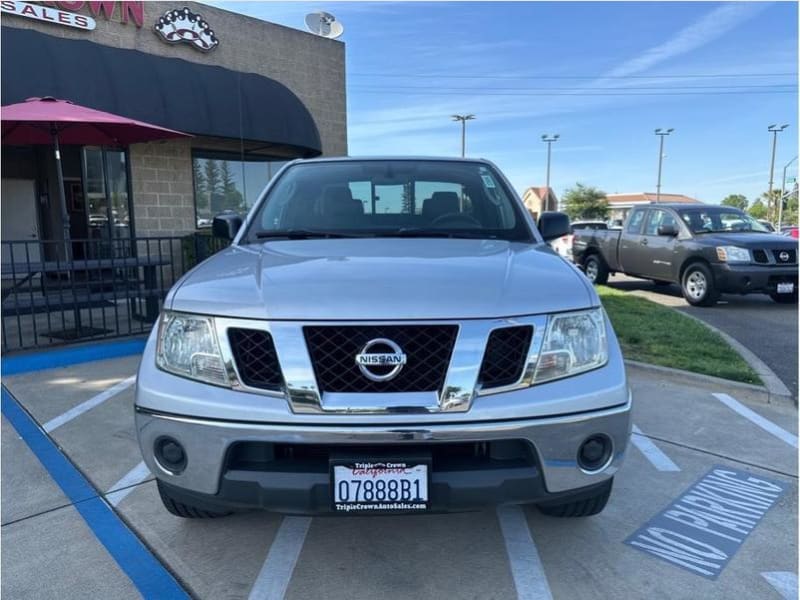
696	377
688	377
772	382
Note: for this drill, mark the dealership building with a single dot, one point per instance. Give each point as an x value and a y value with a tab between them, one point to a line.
252	95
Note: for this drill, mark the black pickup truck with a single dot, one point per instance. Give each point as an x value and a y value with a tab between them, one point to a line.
706	249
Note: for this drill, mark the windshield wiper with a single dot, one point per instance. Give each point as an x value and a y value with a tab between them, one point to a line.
422	232
303	234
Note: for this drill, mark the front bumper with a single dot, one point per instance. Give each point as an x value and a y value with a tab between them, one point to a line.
212	479
748	279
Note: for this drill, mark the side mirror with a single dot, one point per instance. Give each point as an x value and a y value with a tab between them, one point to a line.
553	225
226	225
670	230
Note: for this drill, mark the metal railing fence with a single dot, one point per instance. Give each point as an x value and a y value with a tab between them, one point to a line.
56	293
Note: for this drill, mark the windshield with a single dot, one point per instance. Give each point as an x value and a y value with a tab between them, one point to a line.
713	219
387	198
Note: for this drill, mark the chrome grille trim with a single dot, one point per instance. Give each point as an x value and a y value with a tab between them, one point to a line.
460	387
771	256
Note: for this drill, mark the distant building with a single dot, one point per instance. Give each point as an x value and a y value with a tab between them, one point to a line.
620	204
540	199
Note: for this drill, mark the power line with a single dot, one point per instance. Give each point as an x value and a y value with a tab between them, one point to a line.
395	75
664	93
575	88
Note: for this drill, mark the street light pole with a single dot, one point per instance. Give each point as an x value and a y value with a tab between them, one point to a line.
774	130
463	119
662	133
783	193
548	139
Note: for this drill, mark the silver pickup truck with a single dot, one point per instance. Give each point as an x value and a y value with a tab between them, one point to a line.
384	335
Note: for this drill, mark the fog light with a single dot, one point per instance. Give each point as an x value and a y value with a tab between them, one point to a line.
595	453
170	454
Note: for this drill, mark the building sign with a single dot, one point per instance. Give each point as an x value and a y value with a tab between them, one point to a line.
182	26
47	14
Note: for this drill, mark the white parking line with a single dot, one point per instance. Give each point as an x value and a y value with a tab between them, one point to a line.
274	577
136	475
784	582
651	452
89	404
756	418
526	566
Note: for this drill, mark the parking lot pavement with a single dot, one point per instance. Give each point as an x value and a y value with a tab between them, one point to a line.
682	433
767	329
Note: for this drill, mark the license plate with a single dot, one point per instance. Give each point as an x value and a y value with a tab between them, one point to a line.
786	288
364	486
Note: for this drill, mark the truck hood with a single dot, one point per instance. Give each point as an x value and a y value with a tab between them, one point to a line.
382	279
769	241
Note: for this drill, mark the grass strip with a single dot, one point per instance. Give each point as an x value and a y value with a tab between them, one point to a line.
651	333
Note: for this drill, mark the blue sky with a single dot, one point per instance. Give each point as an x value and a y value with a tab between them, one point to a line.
585	70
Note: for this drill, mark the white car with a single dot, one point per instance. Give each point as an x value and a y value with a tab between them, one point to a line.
563	245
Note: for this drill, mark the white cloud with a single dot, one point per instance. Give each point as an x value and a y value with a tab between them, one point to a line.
707	29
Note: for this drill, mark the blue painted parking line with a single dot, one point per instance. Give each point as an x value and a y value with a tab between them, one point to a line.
39	361
149	576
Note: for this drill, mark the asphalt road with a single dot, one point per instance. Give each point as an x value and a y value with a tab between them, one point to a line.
62	543
768	329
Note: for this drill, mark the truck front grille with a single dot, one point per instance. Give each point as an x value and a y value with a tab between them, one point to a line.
505	356
333	350
760	256
256	359
791	252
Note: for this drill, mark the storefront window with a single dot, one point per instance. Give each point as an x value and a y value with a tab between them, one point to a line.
95	193
225	182
108	209
118	193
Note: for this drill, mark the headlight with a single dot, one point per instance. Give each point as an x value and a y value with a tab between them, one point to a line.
733	254
574	343
187	346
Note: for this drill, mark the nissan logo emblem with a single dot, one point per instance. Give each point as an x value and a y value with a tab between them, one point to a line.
380	360
784	256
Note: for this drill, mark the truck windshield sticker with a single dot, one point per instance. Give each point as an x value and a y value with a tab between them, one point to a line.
487	180
709	522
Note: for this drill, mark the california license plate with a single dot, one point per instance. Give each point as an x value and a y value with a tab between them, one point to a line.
367	486
786	288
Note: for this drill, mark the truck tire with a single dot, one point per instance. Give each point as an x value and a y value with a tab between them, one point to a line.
697	285
584	506
595	268
784	298
183	510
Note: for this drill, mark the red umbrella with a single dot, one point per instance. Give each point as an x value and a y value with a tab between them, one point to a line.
34	122
51	121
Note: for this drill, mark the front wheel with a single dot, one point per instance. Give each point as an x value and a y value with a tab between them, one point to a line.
698	286
582	505
784	298
596	270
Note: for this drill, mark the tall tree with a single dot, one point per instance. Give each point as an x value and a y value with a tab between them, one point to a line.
789	216
585	202
200	189
213	185
736	201
233	197
771	203
405	201
758	210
